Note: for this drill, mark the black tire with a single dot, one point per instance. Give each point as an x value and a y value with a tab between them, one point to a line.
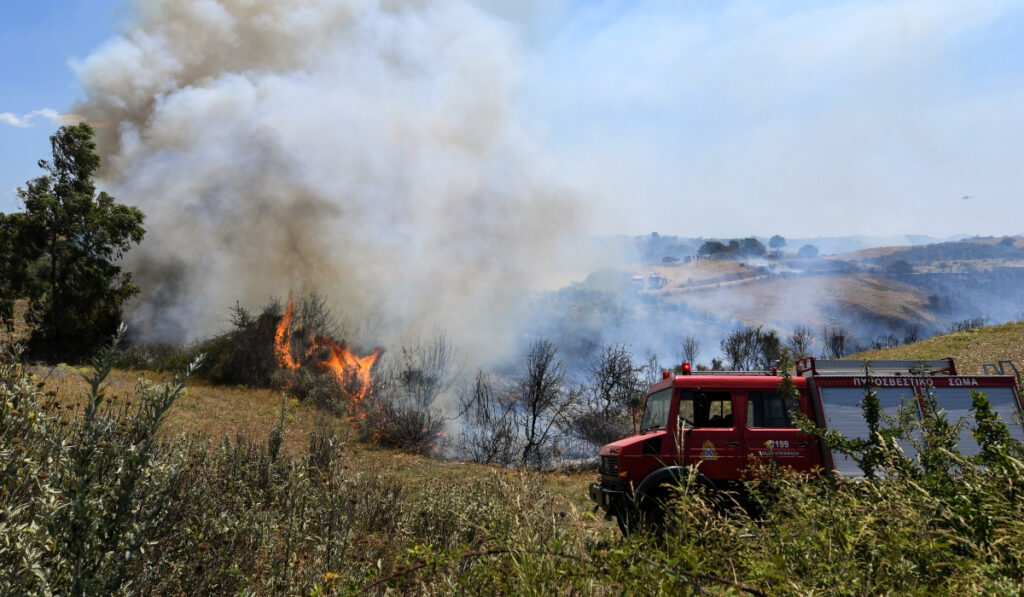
655	510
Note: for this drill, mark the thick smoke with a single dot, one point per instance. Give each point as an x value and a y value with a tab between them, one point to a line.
367	150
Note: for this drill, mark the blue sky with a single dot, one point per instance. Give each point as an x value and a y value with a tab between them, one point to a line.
38	39
734	118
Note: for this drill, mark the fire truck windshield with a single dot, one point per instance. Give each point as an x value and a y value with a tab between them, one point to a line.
656	412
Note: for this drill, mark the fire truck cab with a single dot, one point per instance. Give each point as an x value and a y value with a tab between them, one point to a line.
723	422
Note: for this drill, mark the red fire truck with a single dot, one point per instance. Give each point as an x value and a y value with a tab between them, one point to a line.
722	422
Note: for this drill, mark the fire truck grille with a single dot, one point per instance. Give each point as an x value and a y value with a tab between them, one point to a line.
610	470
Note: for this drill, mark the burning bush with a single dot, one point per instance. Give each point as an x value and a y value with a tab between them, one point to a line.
312	364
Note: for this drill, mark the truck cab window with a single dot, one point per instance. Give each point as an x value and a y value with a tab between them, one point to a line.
771	410
656	412
706	409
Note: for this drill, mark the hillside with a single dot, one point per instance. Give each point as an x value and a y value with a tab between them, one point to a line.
782	294
969	349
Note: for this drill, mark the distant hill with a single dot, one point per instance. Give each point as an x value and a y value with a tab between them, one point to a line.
651	248
835	245
876	296
1002	249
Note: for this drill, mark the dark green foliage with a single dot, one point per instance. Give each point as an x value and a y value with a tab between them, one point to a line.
711	249
93	504
87	498
157	356
735	249
245	354
899	267
808	252
62	251
13	267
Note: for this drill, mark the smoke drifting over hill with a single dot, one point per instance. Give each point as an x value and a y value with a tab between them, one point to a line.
369	150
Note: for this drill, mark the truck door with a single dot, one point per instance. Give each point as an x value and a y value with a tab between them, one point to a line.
770	431
710	433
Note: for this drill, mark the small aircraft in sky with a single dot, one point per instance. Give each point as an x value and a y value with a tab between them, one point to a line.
966	197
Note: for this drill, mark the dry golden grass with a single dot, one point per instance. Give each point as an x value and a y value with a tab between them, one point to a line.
777	301
204	409
695	273
21	329
219	411
876	252
969	349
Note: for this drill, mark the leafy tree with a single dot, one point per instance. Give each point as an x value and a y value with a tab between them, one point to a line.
808	252
13	269
710	249
900	267
71	238
776	243
751	247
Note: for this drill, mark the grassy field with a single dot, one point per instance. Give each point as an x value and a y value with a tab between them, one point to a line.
213	413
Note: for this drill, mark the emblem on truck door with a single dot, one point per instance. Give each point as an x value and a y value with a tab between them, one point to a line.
708	453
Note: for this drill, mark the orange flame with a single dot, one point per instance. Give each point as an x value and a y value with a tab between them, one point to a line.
345	365
283	340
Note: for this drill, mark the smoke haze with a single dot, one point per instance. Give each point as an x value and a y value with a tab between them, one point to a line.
367	150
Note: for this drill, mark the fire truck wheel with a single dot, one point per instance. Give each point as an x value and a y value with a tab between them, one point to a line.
653	506
626	518
655	509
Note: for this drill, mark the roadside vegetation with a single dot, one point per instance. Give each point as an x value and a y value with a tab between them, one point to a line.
96	499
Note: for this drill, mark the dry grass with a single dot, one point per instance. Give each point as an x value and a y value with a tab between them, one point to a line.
777	300
218	411
969	349
695	273
205	409
21	329
876	252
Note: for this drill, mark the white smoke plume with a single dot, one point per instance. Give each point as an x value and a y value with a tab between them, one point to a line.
370	150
